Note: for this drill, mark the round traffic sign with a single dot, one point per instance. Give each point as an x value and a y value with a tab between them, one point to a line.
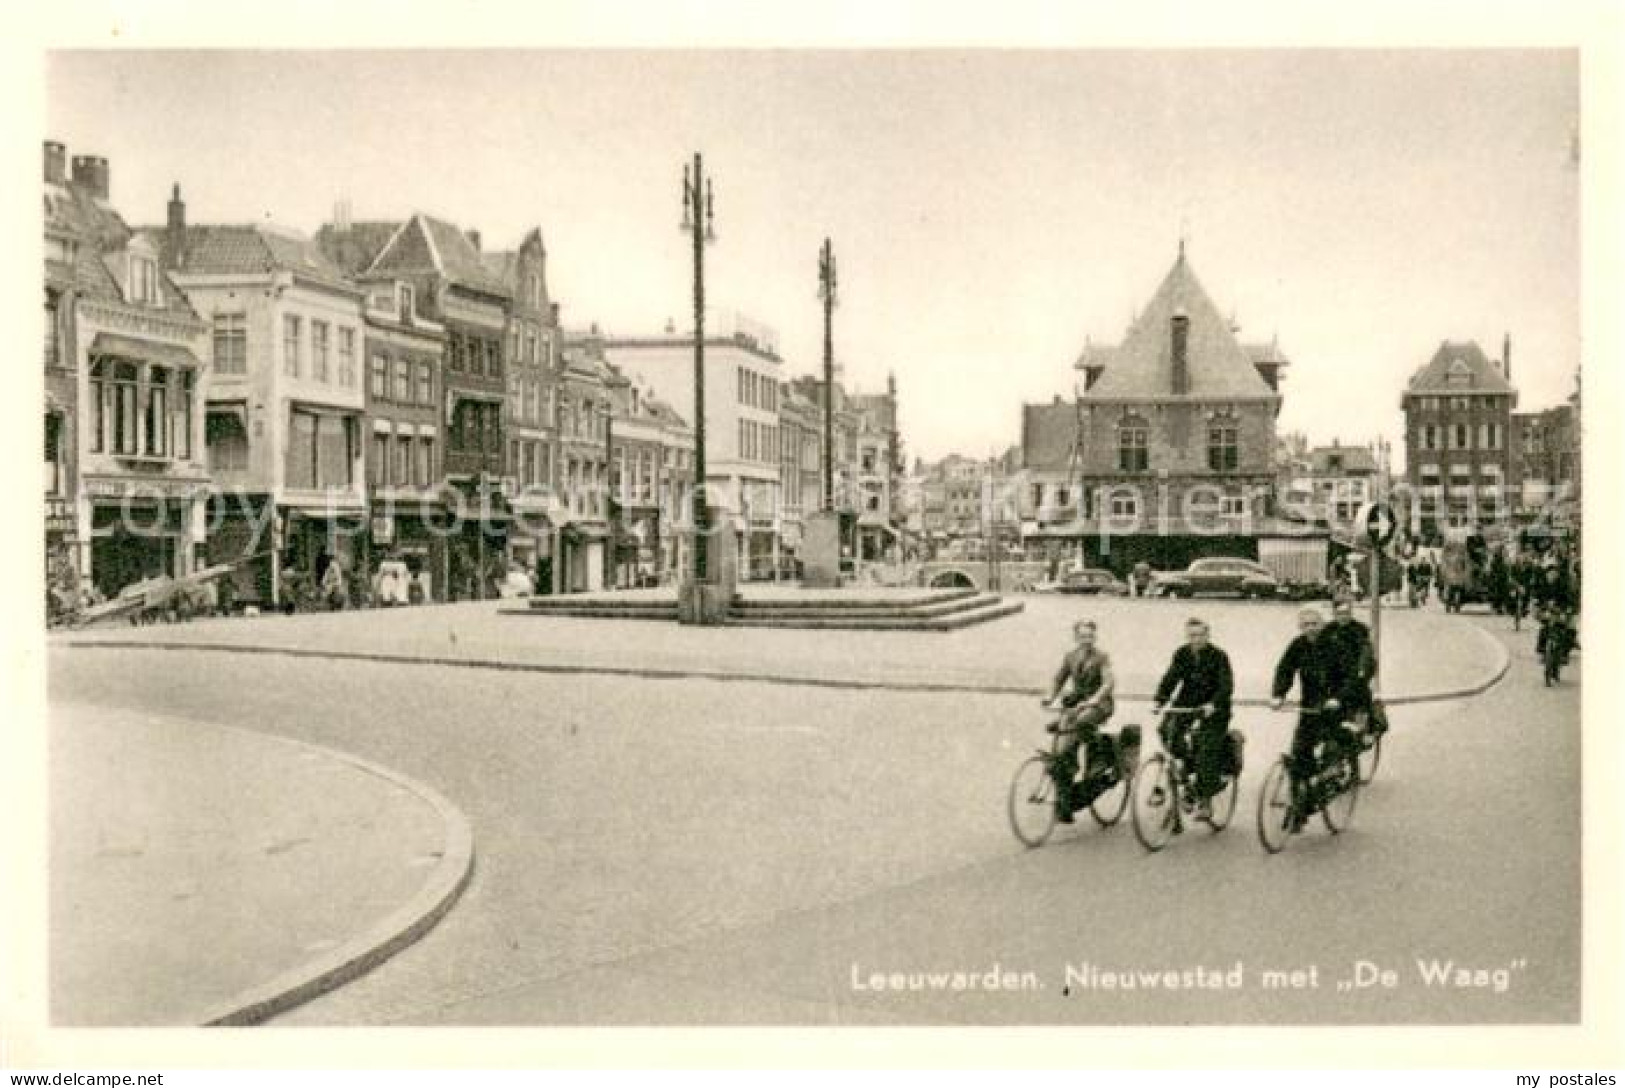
1377	521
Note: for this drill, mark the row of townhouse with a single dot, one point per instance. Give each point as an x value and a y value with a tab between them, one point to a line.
253	396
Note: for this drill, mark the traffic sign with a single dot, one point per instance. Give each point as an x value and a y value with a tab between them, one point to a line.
1377	522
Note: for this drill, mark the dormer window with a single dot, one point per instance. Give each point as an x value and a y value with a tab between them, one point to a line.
405	302
143	280
1459	374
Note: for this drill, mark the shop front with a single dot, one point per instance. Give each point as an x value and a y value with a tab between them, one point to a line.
414	534
582	556
139	531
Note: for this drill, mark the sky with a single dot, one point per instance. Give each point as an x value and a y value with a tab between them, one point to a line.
989	209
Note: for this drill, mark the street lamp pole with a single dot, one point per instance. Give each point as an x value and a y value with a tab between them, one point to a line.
610	515
827	292
698	219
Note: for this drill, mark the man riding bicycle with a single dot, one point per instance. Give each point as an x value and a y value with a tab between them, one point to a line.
1201	673
1349	649
1083	686
1309	659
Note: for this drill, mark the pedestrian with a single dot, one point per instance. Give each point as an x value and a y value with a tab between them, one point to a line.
334	592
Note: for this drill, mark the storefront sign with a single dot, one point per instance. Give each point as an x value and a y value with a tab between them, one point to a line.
143	489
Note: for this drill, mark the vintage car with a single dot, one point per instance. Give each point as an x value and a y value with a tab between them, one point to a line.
1218	576
1086	581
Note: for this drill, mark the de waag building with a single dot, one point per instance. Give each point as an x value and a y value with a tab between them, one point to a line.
1167	453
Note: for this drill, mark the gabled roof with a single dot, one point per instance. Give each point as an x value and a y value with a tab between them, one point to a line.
426	245
354	246
1142	367
1048	434
252	249
1472	370
1356	460
503	264
102	237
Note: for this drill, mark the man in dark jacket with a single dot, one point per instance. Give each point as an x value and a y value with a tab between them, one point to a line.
1200	671
1309	660
1349	649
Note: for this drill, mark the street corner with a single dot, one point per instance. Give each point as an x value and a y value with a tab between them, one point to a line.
209	875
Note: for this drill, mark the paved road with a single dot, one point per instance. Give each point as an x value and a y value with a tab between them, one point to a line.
688	851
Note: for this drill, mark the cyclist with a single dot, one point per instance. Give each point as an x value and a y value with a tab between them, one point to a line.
1083	686
1349	648
1555	605
1201	673
1309	659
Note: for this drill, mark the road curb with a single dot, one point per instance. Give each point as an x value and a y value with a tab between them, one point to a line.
650	673
360	954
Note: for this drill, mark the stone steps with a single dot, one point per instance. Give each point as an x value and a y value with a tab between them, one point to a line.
960	615
944	610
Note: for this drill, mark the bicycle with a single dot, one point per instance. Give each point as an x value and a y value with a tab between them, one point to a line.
1368	728
1164	789
1034	791
1553	639
1285	806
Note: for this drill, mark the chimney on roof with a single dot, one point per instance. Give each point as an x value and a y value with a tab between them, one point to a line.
56	163
474	239
90	172
1181	330
1506	357
341	217
175	231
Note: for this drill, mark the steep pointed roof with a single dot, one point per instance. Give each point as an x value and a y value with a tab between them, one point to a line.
1460	368
426	245
1142	366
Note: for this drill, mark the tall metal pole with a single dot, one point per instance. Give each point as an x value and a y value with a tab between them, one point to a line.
698	218
826	291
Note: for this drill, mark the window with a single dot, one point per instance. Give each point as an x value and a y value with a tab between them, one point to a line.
227	443
124	395
1489	436
1462	437
513	342
402	472
53	332
530	347
1221	446
1125	504
1430	436
185	398
230	344
493	358
533	289
100	397
1132	454
425	468
301	467
454	351
407	302
143	280
318	350
378	377
291	335
155	425
403	381
1459	374
1461	404
347	358
425	385
378	460
1233	506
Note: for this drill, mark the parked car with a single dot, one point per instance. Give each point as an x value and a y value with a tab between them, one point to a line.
1218	576
1087	581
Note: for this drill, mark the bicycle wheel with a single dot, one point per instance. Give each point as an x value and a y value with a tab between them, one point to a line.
1338	811
1275	807
1032	802
1222	805
1107	807
1155	797
1370	756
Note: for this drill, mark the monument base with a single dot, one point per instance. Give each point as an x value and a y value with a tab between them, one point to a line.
821	551
705	604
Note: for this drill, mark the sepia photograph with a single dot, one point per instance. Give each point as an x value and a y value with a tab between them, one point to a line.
815	537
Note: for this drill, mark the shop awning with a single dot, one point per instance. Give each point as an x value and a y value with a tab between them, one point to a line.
150	351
